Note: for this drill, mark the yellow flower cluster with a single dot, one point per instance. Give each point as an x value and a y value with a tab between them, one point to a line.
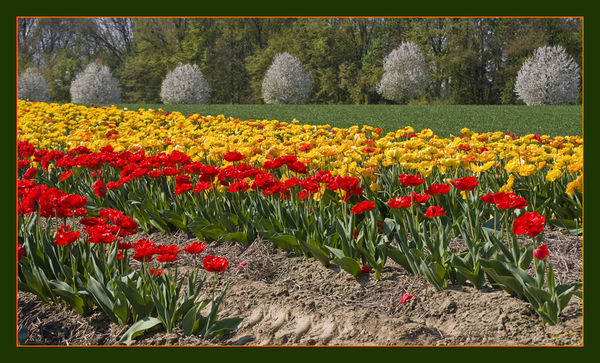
351	151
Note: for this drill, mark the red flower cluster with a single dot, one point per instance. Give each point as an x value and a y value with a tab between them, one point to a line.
194	248
52	202
434	211
215	264
411	180
155	272
466	183
364	206
504	200
105	228
400	202
30	174
167	253
420	198
290	160
99	188
233	156
143	250
541	252
349	184
530	223
65	236
437	189
65	175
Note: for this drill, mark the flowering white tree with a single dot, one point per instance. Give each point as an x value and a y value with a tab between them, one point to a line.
286	81
405	74
185	84
95	85
549	77
32	86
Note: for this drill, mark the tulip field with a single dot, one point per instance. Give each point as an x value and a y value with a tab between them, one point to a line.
93	183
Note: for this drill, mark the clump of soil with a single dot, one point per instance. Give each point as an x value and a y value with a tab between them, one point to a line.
289	300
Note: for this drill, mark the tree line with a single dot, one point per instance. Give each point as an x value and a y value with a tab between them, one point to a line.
469	60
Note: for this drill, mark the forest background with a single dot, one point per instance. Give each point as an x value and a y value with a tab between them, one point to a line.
470	60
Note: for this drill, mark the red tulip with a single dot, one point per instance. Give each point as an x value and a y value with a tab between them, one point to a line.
466	183
436	189
361	207
400	202
541	252
233	156
434	211
530	223
405	298
194	248
411	180
99	188
65	236
215	264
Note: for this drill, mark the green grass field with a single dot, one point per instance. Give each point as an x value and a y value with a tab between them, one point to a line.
443	120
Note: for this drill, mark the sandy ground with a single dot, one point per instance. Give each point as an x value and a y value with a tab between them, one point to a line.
289	300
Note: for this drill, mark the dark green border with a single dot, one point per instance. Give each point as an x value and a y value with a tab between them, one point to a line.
304	8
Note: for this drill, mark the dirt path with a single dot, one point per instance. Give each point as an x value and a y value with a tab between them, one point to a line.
288	300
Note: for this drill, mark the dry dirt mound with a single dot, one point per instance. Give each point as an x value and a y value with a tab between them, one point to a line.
288	300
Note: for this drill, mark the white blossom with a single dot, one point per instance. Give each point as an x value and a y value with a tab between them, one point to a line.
549	77
405	74
286	81
32	86
185	84
95	85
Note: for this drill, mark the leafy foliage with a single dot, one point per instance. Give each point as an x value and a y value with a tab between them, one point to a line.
469	60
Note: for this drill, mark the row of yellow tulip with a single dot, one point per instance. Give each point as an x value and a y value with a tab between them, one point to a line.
352	151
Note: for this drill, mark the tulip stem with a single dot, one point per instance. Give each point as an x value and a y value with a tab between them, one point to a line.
473	243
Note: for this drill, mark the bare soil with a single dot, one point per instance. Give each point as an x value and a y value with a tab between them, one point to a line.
289	300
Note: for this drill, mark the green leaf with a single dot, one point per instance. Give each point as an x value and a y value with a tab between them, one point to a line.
349	265
526	257
34	284
103	298
472	276
190	322
318	253
214	232
551	282
285	242
563	223
499	244
490	223
223	326
137	328
398	257
174	218
121	309
141	307
241	237
431	275
565	292
67	293
336	252
502	276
